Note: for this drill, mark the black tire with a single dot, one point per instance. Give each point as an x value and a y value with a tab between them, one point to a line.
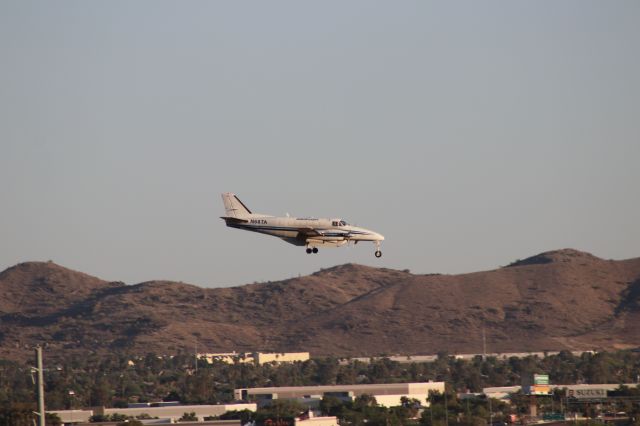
315	250
378	253
308	250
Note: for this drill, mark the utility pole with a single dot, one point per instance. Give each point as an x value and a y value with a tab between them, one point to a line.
446	407
484	344
196	355
430	407
39	370
490	412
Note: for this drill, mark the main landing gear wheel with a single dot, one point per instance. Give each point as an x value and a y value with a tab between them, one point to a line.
312	250
315	250
308	250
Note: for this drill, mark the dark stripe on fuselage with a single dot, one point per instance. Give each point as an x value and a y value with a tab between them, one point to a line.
262	229
258	228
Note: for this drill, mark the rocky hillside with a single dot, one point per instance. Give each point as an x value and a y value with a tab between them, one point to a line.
554	300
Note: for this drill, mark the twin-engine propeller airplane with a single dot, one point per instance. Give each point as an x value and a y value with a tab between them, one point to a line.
305	231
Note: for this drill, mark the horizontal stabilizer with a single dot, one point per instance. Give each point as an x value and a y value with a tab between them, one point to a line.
234	219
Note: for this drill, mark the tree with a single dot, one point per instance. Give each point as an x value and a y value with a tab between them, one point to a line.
101	393
97	418
173	396
245	416
365	400
331	406
52	419
435	415
117	417
188	417
327	371
279	412
400	414
18	414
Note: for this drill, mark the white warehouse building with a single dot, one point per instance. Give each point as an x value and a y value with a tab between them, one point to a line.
386	394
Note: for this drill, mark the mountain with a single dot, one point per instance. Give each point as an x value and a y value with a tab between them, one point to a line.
563	299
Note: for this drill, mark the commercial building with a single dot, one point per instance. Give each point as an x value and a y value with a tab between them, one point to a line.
73	416
167	422
409	359
311	420
265	358
582	391
258	358
170	413
386	394
176	411
227	357
502	393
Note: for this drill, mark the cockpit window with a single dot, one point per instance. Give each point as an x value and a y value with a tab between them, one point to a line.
343	223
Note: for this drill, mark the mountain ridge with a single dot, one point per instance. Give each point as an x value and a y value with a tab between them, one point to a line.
560	299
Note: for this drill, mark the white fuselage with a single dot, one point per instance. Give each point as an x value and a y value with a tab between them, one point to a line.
307	231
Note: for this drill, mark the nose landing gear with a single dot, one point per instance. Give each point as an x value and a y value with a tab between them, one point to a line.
378	253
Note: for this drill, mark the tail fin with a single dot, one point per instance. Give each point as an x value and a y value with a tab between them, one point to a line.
234	207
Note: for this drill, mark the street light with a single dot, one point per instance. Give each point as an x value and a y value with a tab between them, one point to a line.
71	394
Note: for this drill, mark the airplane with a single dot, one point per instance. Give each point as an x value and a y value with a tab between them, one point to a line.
300	231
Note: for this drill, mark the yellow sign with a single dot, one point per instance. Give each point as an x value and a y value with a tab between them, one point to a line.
540	390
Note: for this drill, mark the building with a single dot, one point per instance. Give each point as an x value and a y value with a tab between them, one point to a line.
169	422
168	412
258	358
582	391
176	411
265	358
386	394
311	420
502	393
73	416
227	357
409	359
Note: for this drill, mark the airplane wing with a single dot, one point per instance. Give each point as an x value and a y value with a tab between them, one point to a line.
294	241
316	232
307	234
310	232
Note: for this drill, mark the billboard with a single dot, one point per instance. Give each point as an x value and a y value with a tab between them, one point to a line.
540	379
540	390
593	393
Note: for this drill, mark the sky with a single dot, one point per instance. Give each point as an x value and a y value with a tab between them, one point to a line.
470	134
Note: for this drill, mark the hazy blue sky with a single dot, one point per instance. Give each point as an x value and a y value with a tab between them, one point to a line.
468	133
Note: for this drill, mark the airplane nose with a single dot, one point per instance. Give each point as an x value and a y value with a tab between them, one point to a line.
368	235
377	237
